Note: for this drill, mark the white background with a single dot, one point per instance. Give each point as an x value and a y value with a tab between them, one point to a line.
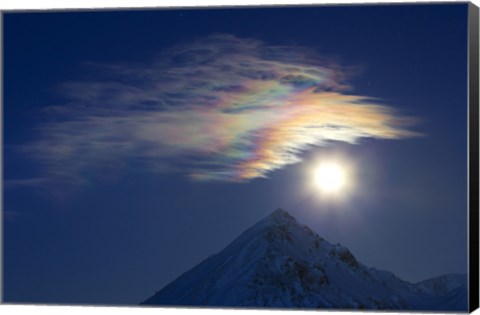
64	4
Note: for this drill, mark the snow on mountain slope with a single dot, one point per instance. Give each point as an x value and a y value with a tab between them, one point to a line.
442	285
281	263
448	292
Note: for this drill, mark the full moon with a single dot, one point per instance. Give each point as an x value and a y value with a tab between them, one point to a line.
330	177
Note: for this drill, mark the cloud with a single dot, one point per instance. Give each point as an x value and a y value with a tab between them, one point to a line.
218	108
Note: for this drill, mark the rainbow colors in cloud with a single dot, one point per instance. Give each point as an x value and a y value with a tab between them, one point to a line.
219	108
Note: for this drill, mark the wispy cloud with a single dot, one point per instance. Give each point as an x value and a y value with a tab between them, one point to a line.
218	108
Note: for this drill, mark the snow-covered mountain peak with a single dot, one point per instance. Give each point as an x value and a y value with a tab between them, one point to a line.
442	285
277	218
281	216
281	232
279	262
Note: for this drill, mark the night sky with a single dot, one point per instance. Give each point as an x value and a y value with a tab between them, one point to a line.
138	143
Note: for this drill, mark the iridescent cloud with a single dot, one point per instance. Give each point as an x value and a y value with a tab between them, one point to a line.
219	108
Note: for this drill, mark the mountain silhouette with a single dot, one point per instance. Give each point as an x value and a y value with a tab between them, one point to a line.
280	263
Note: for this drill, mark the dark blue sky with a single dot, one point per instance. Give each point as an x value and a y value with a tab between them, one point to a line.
117	238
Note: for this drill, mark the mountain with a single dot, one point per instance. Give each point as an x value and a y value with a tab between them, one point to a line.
442	285
280	263
449	292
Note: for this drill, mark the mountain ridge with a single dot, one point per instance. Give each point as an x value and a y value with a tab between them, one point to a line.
280	263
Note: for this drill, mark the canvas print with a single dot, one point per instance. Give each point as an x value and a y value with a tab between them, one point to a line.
300	157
